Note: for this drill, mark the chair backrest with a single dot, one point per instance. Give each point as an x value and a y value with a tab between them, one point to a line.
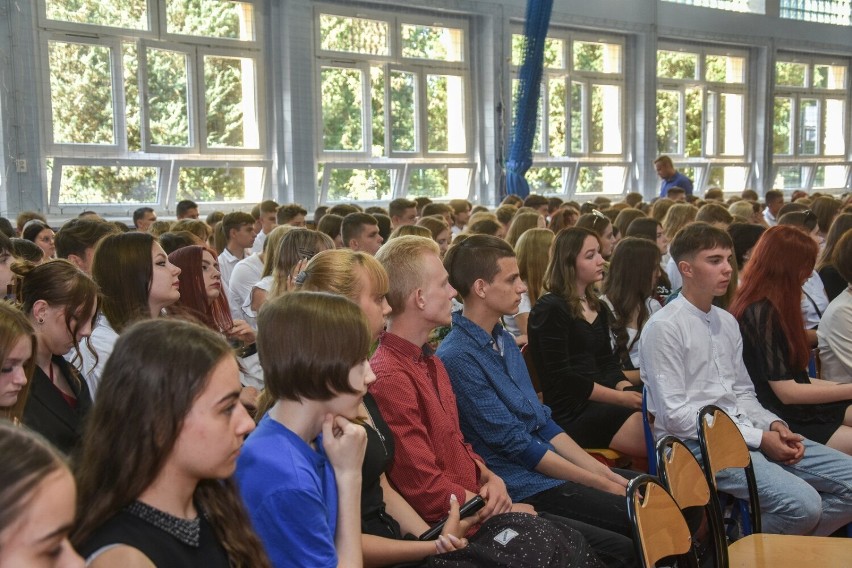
723	447
659	528
682	475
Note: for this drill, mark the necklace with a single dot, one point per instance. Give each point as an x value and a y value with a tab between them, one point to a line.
372	425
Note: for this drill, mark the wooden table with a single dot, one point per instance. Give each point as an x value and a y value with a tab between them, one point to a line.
784	551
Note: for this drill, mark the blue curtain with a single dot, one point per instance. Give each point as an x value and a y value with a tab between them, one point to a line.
526	101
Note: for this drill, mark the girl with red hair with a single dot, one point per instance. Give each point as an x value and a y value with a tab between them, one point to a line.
775	346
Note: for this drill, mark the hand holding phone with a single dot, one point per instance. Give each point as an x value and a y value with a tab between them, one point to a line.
469	508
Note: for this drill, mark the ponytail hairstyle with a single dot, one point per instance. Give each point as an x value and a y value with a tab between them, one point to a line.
781	261
14	326
59	283
159	367
193	301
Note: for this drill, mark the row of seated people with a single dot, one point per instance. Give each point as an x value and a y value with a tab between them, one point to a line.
164	285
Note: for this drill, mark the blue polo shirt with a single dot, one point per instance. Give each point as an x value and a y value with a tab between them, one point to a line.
499	412
677	180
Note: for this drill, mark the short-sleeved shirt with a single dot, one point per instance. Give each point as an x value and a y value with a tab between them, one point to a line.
290	492
677	180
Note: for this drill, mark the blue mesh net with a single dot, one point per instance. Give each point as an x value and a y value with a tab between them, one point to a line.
526	97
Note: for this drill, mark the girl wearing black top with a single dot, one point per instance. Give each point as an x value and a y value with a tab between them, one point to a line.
154	476
569	335
60	301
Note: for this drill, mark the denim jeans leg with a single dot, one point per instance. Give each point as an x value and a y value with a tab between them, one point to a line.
830	473
788	504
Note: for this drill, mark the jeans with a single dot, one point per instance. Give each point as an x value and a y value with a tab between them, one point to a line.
812	497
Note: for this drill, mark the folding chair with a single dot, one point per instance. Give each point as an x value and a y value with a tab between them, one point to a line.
659	528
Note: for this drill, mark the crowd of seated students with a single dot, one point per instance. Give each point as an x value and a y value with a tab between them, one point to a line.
139	358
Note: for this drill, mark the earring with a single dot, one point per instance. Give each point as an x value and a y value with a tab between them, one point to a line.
40	321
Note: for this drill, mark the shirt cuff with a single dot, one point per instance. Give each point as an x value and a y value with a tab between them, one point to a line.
753	436
531	456
550	430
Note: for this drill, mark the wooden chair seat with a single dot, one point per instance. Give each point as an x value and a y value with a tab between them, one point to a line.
787	551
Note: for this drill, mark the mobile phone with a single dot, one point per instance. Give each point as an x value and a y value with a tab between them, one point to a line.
469	508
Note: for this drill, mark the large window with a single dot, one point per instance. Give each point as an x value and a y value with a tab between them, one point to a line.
394	106
580	140
837	12
756	6
701	113
154	102
809	125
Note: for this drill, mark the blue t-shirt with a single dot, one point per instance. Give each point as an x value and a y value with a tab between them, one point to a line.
290	492
678	180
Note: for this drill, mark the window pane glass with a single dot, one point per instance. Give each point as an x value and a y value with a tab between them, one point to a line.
445	113
676	64
359	184
729	178
731	124
724	69
221	184
538	144
228	19
782	126
829	76
168	98
789	177
694	119
545	180
830	177
554	52
823	11
81	93
342	107
605	135
108	184
377	102
598	57
354	35
668	122
403	103
578	125
132	108
833	128
808	125
556	121
731	5
600	179
439	182
429	42
229	95
130	14
789	74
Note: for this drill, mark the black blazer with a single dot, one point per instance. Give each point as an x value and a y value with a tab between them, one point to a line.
47	413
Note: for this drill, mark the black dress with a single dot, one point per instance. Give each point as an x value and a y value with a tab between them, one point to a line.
169	542
766	355
49	413
833	281
570	356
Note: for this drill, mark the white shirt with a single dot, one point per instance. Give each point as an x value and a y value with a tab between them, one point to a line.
689	359
102	341
674	274
814	300
523	308
835	339
769	217
257	247
264	284
245	275
227	262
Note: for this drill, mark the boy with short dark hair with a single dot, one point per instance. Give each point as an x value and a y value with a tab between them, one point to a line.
360	231
238	228
691	356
